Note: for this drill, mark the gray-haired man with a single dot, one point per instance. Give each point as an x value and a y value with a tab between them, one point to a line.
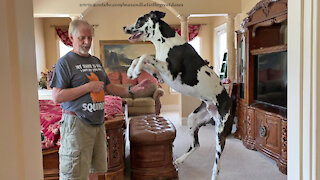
79	84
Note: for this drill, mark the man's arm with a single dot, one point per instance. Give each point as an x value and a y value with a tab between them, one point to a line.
119	90
65	95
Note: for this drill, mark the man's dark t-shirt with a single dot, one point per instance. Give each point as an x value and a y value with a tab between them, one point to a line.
73	70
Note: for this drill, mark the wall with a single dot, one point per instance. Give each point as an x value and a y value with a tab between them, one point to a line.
21	157
40	46
247	5
72	7
303	90
109	29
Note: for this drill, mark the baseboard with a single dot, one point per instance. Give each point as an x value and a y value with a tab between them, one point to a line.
170	107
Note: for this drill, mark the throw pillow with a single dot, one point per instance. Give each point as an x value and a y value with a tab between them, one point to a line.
114	77
126	80
144	75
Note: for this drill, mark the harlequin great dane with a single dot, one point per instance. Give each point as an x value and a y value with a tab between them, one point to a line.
179	65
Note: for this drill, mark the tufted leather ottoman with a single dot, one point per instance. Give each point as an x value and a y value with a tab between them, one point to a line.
151	139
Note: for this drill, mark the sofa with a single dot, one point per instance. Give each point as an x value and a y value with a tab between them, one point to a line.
145	102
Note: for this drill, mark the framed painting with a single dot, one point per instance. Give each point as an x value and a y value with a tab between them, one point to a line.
117	55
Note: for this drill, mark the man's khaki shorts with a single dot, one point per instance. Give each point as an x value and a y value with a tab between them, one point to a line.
82	147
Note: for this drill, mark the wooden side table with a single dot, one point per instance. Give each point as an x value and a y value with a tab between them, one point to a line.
115	146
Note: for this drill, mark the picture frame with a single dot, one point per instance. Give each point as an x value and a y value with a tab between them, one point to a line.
117	55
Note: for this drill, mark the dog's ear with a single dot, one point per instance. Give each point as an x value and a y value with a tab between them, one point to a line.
157	15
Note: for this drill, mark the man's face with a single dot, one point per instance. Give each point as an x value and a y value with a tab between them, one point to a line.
82	40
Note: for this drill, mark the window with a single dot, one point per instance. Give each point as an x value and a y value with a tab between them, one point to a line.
220	46
63	49
195	43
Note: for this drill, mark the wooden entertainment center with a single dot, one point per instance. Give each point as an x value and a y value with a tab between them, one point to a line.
262	78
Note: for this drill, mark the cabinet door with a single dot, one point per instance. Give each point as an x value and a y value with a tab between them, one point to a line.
268	130
115	147
273	139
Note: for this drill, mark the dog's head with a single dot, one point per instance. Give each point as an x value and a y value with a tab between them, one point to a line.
146	27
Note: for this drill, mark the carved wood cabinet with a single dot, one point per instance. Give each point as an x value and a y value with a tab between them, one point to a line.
262	79
115	143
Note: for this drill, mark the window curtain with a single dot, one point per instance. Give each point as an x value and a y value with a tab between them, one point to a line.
193	31
63	35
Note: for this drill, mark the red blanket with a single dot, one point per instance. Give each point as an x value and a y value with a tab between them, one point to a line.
50	116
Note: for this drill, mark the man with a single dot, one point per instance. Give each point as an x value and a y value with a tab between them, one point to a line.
79	84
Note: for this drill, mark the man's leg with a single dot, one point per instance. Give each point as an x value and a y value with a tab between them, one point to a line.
99	155
77	140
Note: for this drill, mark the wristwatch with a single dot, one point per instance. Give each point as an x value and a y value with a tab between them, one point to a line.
129	89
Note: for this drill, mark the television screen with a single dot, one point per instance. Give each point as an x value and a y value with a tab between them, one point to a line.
271	78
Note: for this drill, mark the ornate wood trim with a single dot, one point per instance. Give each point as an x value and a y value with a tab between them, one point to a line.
269	50
263	24
264	5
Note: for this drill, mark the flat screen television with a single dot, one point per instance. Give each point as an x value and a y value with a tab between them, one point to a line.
271	78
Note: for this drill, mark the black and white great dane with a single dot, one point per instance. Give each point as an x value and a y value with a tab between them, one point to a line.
179	65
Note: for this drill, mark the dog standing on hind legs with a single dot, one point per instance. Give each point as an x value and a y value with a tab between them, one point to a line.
180	66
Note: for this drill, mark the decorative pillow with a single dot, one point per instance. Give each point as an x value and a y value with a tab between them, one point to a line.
113	106
126	80
146	92
114	77
144	75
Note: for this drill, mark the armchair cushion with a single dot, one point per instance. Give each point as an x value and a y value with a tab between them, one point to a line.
142	102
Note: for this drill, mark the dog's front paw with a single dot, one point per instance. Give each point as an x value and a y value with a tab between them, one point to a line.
135	73
178	161
129	73
160	80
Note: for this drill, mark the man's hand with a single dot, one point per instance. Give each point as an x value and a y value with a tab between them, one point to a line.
141	86
95	86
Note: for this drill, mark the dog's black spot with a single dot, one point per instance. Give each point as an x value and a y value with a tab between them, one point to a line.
223	103
148	35
222	140
202	105
141	21
155	75
208	73
189	149
185	60
146	29
211	67
163	40
212	122
219	154
195	136
154	25
153	32
159	39
166	30
216	161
